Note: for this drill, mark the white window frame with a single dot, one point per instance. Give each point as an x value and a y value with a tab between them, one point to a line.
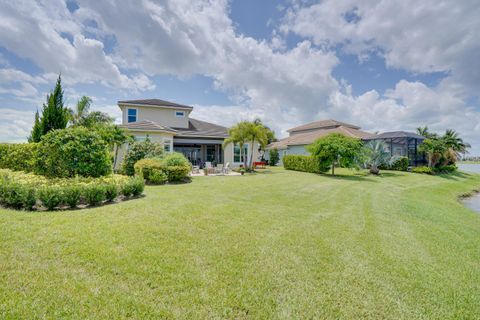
179	114
167	142
245	146
136	114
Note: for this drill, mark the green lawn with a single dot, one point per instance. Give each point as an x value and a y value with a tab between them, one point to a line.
274	245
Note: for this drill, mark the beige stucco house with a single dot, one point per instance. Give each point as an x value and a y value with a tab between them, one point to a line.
170	124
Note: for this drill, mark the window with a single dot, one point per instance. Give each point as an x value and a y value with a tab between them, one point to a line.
131	115
166	145
140	138
240	156
179	114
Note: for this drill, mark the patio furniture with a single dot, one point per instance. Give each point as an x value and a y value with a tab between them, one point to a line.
226	169
196	169
208	166
219	168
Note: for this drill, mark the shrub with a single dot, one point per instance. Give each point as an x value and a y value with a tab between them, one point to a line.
134	186
274	157
18	157
51	196
138	151
157	176
424	170
304	163
111	191
94	194
72	195
23	190
176	166
175	159
71	152
398	163
144	167
446	169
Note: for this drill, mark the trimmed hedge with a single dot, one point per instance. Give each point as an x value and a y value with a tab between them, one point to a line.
18	157
424	170
173	167
304	163
72	152
20	190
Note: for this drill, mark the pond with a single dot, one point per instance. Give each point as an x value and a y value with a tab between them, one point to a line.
473	202
467	167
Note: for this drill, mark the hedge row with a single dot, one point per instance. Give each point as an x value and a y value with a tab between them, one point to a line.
28	191
436	170
61	153
304	163
172	168
18	157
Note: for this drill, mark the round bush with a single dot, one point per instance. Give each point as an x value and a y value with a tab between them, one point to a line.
144	167
138	151
111	191
94	194
71	195
176	166
51	196
71	152
157	176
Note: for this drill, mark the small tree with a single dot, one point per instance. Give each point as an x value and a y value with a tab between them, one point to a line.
274	157
374	155
138	151
238	135
336	149
54	114
36	130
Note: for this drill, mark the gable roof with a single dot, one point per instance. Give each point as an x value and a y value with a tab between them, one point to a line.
155	103
146	125
396	134
311	136
322	124
199	128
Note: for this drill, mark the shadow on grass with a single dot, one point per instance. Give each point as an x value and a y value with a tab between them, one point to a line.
354	177
458	175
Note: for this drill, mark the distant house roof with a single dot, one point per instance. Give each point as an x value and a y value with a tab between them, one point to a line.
198	128
311	136
395	134
322	124
155	103
146	125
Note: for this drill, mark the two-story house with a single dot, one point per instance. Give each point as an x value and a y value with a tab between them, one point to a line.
170	124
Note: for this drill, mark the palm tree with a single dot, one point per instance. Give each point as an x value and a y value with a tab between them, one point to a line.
257	132
376	155
453	141
424	131
81	110
238	135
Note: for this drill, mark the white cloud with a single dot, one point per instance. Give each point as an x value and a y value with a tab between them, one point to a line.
15	125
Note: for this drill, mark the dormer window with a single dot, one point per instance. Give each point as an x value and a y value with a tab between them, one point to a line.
131	115
179	114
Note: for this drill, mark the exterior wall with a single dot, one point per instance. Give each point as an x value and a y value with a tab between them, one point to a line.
153	136
292	150
228	154
163	116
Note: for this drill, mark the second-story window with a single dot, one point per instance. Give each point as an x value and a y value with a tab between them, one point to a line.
180	114
131	115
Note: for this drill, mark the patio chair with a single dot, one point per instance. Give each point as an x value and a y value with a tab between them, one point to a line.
219	168
226	169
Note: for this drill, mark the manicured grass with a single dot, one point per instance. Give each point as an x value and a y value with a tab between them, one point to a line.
274	245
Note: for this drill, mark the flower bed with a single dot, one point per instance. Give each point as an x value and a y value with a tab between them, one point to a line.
28	191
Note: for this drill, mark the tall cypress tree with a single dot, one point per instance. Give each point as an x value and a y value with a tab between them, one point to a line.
36	130
54	115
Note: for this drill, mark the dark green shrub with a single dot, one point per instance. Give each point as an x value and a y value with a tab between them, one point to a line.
399	163
304	163
138	151
71	152
176	166
16	195
72	195
274	157
446	169
424	170
138	185
175	159
18	157
157	176
111	191
51	196
94	194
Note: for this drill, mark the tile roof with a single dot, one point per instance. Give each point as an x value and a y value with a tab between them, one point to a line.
311	136
200	128
322	124
146	125
155	103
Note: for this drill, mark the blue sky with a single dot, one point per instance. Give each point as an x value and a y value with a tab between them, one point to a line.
378	64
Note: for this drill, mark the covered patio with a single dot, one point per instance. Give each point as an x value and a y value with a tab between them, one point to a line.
402	143
200	151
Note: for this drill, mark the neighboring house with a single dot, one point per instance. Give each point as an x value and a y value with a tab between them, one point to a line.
402	143
170	124
306	134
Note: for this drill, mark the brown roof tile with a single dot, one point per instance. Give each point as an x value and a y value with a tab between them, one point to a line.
155	103
322	124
